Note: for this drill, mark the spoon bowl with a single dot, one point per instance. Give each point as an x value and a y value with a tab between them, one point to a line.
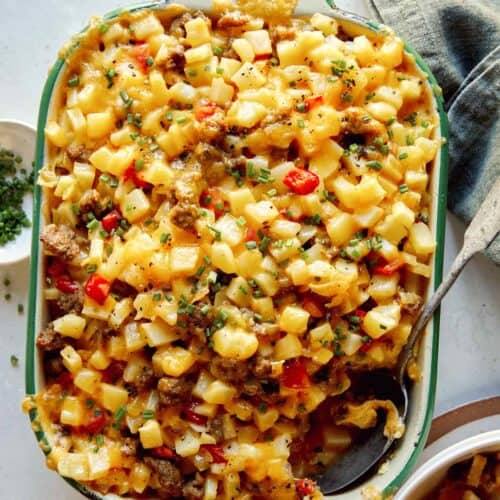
371	444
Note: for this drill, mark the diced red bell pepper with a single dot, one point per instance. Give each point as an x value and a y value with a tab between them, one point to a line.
64	379
56	268
131	174
141	53
110	221
390	268
205	110
305	487
301	181
360	313
212	199
312	102
97	288
295	375
194	417
251	234
163	452
96	422
313	305
217	453
66	285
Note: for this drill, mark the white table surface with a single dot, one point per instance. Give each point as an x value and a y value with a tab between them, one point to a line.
31	34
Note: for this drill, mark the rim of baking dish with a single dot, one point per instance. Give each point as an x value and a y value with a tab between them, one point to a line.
440	221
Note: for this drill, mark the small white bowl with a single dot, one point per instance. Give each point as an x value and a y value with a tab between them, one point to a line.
430	475
20	138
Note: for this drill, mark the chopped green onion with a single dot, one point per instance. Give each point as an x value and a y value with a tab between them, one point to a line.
403	188
375	165
403	156
74	81
251	245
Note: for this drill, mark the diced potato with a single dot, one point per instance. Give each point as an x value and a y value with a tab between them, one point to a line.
248	77
158	333
321	336
221	92
421	239
150	434
219	392
99	463
114	162
121	312
260	41
282	229
56	134
246	114
183	92
112	396
264	420
72	411
381	319
263	306
100	124
229	229
381	111
134	339
327	25
326	161
71	359
293	319
247	261
74	466
204	380
146	27
70	325
239	291
188	444
197	32
135	205
222	257
341	228
267	283
139	476
162	95
184	259
288	347
87	380
383	287
199	54
299	272
239	199
234	342
244	50
261	212
176	361
99	360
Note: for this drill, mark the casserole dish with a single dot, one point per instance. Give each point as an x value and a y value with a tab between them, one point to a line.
422	397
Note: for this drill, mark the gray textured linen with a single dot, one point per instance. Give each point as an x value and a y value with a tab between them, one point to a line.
460	41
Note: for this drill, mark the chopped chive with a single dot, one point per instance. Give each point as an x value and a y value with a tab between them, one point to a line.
169	116
251	245
218	51
164	237
390	121
403	156
192	73
120	413
149	61
93	224
301	107
91	268
200	271
89	403
410	140
217	234
272	192
181	119
138	165
148	414
264	244
14	360
243	290
375	165
74	81
301	124
403	188
219	70
241	221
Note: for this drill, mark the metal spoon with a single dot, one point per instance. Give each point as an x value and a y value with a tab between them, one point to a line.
383	384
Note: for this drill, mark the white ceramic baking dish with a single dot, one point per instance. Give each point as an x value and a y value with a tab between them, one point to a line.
422	394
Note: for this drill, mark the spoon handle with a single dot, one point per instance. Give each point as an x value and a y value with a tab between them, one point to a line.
481	232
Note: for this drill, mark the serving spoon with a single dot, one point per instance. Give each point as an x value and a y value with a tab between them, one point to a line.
373	445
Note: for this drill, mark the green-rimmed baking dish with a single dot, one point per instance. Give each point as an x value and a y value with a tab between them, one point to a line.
422	394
